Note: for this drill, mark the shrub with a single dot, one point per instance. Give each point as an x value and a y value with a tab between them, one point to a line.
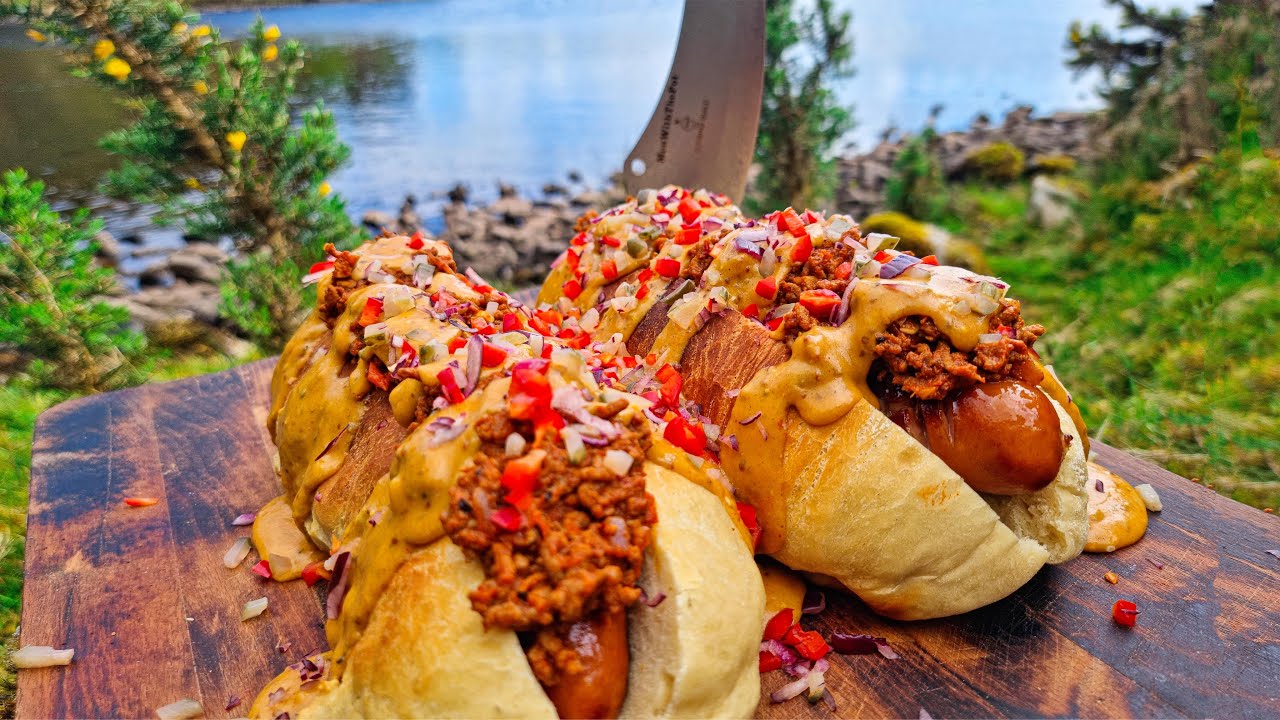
800	119
998	162
1053	164
915	187
218	144
50	288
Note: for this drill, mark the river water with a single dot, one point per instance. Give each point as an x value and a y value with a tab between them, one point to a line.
431	92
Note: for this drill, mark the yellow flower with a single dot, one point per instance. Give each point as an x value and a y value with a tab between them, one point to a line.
103	49
200	31
236	139
179	28
117	68
192	183
201	87
36	35
324	188
271	34
270	52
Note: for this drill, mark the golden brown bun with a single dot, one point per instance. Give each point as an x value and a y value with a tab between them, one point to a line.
869	506
425	652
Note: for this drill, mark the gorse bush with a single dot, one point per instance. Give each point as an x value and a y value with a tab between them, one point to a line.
51	311
217	145
800	118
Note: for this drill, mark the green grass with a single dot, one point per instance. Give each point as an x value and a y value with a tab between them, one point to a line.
20	405
1163	313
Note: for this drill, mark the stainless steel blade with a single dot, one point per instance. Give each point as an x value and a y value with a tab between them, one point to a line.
703	131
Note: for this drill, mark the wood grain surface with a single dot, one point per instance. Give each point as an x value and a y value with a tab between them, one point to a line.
154	617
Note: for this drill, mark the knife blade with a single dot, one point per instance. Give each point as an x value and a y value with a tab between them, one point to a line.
703	130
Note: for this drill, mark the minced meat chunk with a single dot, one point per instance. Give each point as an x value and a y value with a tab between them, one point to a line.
917	357
579	549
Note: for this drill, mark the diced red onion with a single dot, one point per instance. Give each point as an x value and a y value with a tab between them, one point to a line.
38	656
236	554
515	445
897	265
779	311
253	609
768	262
474	277
730	440
732	393
849	644
815	601
443	430
790	690
828	699
183	709
748	247
619	461
248	518
475	351
340	584
784	653
924	714
751	419
423	272
232	703
375	517
275	696
654	601
842	312
315	277
764	434
990	337
323	452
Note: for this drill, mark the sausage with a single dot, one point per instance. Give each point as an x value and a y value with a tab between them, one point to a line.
729	350
597	691
1002	438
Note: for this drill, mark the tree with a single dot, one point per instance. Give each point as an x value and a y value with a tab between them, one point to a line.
217	144
50	294
800	118
1180	87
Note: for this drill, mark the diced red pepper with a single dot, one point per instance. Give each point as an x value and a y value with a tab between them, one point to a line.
511	321
670	390
449	384
408	356
844	270
767	288
579	240
314	573
689	210
781	621
263	568
689	234
415	241
666	372
507	518
492	355
579	341
572	259
140	501
801	251
775	323
642	293
540	325
611	241
809	217
1125	613
667	267
751	521
769	662
792	223
378	376
609	269
458	342
520	476
808	643
529	397
645	275
883	256
929	260
372	311
819	303
321	267
685	435
550	316
572	289
485	328
752	311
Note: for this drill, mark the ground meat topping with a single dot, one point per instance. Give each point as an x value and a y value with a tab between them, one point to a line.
581	544
343	281
917	357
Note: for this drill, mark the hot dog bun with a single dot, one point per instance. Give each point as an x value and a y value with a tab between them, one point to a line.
786	330
394	424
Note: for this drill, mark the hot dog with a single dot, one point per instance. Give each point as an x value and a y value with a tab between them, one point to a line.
803	341
495	567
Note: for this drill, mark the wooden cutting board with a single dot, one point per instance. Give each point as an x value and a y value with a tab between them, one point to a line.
142	596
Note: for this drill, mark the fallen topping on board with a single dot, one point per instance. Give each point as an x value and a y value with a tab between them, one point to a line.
1125	613
38	656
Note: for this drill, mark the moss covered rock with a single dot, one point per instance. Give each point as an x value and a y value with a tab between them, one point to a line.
923	239
1053	164
998	162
